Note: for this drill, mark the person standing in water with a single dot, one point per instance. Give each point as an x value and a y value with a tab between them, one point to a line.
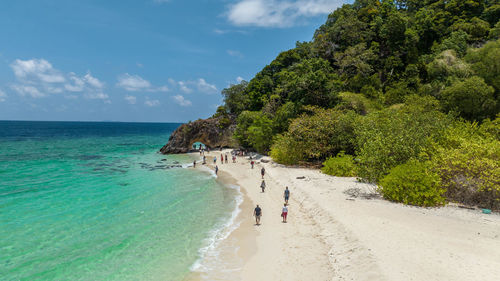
263	185
284	212
216	169
215	159
262	172
194	164
226	158
286	194
257	212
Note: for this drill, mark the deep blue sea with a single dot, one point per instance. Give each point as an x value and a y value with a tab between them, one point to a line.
96	201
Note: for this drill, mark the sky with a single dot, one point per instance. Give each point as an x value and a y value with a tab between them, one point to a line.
140	60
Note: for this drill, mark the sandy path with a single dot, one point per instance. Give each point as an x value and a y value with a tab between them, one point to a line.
330	238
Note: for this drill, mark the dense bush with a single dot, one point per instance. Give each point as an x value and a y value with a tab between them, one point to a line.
254	129
469	166
357	103
315	137
472	98
341	166
413	183
392	136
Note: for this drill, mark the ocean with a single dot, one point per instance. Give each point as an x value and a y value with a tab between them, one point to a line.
96	201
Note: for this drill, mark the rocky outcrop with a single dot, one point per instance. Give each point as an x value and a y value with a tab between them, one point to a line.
212	132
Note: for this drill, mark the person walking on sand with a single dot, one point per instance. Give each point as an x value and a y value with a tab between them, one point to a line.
263	185
262	172
284	212
222	159
251	163
216	169
286	194
226	158
204	160
257	212
215	159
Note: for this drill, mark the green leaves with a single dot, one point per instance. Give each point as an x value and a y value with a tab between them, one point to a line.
472	98
413	183
392	136
341	166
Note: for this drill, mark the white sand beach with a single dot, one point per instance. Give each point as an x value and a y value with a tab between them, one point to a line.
339	229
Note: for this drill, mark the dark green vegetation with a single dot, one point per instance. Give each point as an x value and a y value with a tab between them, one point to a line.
407	91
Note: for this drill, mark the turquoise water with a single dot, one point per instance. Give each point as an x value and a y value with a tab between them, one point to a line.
95	201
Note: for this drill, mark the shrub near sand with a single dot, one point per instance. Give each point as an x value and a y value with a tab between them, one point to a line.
413	183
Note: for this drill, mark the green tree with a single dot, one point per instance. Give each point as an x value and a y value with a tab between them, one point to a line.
392	136
235	98
457	41
310	82
315	137
472	98
485	62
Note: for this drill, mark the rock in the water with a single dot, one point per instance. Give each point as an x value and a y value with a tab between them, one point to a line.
212	132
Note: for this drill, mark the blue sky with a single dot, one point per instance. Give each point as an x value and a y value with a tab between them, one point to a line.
140	60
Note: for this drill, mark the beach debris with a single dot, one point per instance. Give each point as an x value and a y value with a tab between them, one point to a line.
486	211
353	192
301	178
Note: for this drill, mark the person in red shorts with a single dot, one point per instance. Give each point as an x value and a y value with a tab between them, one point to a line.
284	212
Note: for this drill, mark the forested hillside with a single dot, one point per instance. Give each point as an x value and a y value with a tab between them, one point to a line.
401	93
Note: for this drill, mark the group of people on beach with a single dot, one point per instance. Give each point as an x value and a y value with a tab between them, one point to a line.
257	212
223	158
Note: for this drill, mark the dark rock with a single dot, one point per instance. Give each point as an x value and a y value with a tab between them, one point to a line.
301	178
212	132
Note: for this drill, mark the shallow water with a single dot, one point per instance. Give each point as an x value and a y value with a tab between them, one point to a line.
95	201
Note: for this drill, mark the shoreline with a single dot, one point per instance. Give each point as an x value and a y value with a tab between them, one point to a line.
333	236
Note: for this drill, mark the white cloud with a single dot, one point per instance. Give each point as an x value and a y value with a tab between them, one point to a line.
38	78
132	82
3	96
135	83
234	53
76	83
131	99
25	90
181	100
201	85
36	69
205	87
92	81
97	96
278	13
152	103
220	31
184	87
239	79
